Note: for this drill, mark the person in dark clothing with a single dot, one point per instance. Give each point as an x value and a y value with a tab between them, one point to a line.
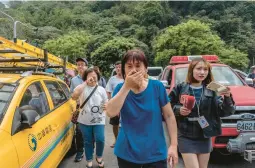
198	125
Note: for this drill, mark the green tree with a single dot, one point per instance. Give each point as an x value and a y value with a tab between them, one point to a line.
124	21
113	50
234	57
42	34
104	25
237	32
6	28
73	45
151	13
193	38
87	21
233	22
100	6
15	4
2	6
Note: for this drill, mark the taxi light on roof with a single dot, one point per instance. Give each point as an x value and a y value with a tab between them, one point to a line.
187	59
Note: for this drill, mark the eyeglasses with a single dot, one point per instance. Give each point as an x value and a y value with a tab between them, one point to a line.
81	65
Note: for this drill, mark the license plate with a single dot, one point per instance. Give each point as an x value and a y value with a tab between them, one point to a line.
245	126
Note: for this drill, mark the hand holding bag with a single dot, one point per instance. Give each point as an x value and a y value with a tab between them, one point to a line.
76	113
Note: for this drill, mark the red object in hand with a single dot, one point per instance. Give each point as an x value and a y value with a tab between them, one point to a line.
188	101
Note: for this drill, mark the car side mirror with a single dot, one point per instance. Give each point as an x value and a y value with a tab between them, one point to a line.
28	118
249	81
165	83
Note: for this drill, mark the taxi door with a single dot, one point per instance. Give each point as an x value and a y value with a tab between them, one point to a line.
59	118
32	144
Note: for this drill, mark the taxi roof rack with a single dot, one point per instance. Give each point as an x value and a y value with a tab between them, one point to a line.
8	51
18	70
29	73
26	57
22	59
35	68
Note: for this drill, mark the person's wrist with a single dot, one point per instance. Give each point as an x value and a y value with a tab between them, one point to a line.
126	87
173	146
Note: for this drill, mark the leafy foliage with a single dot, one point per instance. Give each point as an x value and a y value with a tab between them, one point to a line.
113	50
194	38
191	38
98	29
73	45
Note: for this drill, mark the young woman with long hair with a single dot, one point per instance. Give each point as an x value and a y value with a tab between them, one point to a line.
196	126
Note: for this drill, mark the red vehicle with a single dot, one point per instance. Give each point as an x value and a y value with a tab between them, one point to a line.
242	122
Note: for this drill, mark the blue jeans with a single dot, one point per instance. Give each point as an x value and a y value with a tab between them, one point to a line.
88	131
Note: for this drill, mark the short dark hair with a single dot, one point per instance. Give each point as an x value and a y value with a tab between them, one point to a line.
96	68
89	70
83	60
133	55
117	63
190	78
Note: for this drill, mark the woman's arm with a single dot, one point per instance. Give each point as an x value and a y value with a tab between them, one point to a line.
78	90
172	131
115	104
171	123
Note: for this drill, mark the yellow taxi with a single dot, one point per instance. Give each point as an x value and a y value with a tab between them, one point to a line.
35	120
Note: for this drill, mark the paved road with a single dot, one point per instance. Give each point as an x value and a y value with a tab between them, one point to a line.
111	162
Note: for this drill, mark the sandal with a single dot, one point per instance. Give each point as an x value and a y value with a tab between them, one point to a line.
87	166
100	163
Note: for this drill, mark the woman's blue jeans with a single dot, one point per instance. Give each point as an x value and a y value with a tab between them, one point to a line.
87	132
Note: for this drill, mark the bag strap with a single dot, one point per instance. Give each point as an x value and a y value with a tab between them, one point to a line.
88	97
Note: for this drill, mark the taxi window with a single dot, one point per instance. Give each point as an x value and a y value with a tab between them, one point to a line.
57	94
6	91
66	90
35	96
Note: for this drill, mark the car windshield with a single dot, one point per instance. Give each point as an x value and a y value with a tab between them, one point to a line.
154	72
6	91
222	74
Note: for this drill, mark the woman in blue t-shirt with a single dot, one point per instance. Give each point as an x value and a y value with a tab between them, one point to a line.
141	103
